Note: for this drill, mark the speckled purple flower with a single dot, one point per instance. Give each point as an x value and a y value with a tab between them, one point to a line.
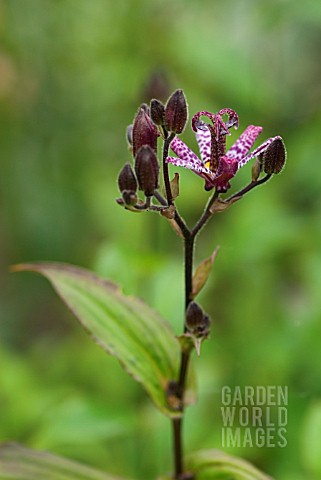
217	166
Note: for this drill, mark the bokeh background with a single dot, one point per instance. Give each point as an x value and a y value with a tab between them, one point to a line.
72	74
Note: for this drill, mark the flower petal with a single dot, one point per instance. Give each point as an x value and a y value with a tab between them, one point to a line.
197	167
184	152
259	150
187	159
203	138
243	144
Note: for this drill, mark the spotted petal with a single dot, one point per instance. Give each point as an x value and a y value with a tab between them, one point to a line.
197	167
184	153
187	159
243	144
203	138
260	149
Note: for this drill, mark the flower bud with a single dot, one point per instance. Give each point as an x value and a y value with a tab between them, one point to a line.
147	170
194	316
144	131
157	112
127	179
274	156
129	197
196	321
176	112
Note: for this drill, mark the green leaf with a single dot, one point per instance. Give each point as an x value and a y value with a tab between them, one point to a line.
175	186
123	326
202	273
215	464
20	463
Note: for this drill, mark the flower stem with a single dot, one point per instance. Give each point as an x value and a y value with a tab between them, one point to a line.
185	356
167	183
250	186
206	214
178	456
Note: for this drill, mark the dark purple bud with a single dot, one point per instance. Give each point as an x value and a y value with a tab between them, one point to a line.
157	112
176	112
127	179
157	85
129	135
274	156
129	197
147	170
144	131
196	321
194	316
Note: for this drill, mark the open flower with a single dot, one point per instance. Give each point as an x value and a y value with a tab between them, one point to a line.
217	166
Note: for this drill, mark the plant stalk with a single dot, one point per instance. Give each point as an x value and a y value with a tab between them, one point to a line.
178	457
167	182
185	356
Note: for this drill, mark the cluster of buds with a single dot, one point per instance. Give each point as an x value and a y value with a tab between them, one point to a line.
149	123
216	165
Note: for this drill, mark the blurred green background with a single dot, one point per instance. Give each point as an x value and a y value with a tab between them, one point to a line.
72	74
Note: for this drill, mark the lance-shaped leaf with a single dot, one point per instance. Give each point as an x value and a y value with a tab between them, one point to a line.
124	326
20	463
202	273
175	186
215	464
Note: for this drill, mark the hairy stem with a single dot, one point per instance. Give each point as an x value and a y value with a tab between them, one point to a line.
249	187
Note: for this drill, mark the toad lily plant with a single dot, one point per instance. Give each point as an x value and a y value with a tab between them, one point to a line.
126	327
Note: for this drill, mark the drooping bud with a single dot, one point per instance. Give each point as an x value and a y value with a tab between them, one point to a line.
147	170
157	112
274	156
129	197
197	324
127	179
176	112
144	131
